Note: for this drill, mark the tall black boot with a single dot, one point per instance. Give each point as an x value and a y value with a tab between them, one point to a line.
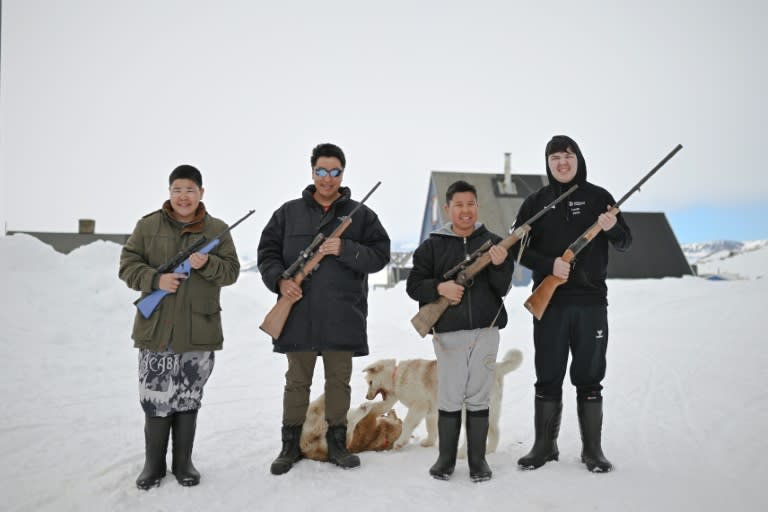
155	445
337	448
184	424
448	430
477	437
547	424
591	425
291	452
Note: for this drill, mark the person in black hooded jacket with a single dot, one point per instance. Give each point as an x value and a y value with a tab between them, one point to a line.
577	317
466	337
330	307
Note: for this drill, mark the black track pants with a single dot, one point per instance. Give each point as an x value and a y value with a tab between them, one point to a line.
582	330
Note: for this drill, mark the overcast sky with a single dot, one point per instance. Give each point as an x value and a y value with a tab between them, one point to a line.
101	99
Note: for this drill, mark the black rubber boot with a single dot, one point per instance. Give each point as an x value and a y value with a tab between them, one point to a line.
155	445
184	424
291	452
477	437
547	424
591	425
337	448
448	430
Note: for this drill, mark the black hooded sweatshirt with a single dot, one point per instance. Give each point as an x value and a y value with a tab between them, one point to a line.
551	235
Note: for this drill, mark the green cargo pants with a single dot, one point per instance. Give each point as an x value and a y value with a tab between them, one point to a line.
298	380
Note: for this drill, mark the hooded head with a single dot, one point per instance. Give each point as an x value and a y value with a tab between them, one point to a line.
563	143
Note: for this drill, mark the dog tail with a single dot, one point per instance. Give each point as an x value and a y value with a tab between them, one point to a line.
511	361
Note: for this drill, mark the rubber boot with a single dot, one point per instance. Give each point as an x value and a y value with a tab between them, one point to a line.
156	432
291	452
184	424
546	421
591	425
477	437
337	448
448	430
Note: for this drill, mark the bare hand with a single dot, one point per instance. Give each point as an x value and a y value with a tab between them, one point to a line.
171	282
607	220
198	260
331	246
498	254
451	291
290	290
561	268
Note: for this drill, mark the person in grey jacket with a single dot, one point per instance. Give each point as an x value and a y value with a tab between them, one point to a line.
330	308
466	337
177	342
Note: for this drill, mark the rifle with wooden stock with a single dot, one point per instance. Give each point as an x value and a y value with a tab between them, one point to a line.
429	314
305	263
539	300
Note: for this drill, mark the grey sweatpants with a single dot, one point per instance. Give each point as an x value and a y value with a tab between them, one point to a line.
465	365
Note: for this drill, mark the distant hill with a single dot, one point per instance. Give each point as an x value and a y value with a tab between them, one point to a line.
719	249
728	259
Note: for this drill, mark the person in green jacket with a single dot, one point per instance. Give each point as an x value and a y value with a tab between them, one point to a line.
177	342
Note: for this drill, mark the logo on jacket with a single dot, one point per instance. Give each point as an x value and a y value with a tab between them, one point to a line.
576	206
599	335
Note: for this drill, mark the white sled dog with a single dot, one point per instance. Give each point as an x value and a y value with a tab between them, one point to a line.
413	382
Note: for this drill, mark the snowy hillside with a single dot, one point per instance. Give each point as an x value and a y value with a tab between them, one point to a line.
729	259
685	405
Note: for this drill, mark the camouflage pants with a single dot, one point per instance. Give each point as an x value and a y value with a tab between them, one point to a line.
171	382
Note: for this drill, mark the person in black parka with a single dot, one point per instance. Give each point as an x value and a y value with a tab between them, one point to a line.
577	317
330	307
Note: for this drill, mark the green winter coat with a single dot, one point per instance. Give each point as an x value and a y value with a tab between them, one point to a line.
190	319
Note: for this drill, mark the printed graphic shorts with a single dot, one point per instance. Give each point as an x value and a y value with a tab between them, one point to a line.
171	382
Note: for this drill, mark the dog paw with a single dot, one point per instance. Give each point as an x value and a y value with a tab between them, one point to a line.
427	442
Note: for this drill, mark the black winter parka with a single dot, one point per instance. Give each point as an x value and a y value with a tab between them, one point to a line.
332	314
438	254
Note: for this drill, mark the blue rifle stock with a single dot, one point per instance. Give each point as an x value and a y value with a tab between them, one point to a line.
180	265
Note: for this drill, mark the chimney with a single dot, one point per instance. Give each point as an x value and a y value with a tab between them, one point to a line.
509	188
87	226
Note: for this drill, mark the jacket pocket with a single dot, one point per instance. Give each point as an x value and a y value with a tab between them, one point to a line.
144	328
205	325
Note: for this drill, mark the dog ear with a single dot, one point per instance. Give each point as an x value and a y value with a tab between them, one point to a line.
378	366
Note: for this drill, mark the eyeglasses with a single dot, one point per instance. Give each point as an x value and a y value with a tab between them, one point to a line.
322	172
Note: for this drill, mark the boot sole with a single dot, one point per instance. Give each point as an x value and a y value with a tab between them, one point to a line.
531	467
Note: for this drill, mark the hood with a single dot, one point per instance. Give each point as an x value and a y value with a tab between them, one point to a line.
561	143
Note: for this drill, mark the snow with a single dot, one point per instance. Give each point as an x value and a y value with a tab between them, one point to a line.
685	402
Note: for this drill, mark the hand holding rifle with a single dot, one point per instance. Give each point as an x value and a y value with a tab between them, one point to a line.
293	276
429	314
174	272
538	301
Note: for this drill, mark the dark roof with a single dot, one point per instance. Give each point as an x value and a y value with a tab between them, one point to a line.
68	242
655	251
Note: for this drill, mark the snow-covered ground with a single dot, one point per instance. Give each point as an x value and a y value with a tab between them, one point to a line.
686	408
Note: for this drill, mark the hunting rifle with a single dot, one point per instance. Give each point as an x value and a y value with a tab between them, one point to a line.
180	265
429	314
539	300
306	262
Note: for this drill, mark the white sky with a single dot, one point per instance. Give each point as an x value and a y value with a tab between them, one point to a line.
100	99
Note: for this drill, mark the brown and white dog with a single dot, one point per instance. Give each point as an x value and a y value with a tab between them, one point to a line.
370	426
413	383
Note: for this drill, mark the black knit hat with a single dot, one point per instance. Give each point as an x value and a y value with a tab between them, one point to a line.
186	172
